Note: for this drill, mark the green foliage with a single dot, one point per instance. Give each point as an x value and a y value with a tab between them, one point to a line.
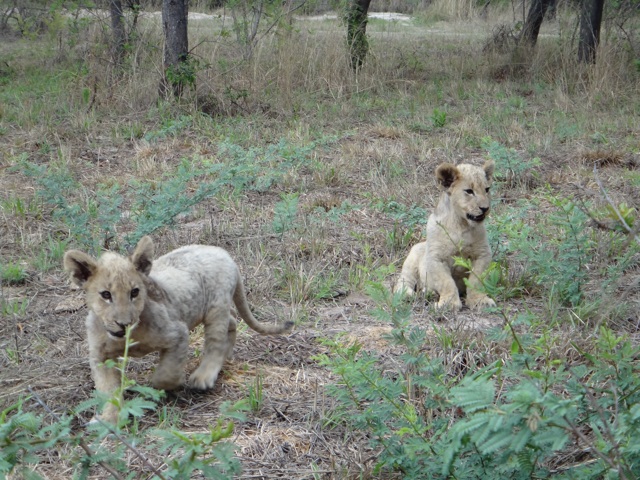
25	435
429	424
334	214
408	217
621	213
15	308
12	273
556	252
510	166
406	220
285	212
439	118
255	394
184	73
92	218
258	168
170	127
204	452
20	207
157	204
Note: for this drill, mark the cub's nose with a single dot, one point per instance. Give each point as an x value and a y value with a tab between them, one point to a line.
484	209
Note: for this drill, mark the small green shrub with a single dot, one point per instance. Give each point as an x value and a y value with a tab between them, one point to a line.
439	118
12	273
555	255
92	218
255	394
170	127
285	212
510	166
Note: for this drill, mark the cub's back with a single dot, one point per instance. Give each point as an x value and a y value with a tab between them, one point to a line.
196	268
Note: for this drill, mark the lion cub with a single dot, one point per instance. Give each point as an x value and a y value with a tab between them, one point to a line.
455	228
163	300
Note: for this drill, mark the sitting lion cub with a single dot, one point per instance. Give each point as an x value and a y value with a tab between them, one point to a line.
163	300
455	228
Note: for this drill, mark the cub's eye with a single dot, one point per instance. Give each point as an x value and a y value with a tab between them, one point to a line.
106	295
469	191
135	292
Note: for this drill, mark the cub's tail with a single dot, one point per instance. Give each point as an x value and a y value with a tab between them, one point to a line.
240	299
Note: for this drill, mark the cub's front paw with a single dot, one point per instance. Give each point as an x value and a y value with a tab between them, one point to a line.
109	414
161	382
478	302
203	378
451	303
404	288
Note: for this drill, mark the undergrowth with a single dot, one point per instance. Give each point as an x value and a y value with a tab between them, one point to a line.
26	433
521	411
524	414
94	219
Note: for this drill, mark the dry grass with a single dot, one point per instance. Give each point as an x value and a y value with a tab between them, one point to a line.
384	147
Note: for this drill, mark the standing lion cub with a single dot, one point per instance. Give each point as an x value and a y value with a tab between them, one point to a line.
455	229
163	300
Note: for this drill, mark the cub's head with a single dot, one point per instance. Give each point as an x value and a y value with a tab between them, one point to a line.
116	287
468	187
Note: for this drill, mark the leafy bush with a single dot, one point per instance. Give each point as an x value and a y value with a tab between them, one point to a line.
556	253
285	213
510	166
523	416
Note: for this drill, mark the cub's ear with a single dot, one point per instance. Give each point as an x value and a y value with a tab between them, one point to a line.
80	265
142	256
446	174
488	168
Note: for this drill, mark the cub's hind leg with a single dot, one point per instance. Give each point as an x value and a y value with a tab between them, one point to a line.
413	275
232	337
217	333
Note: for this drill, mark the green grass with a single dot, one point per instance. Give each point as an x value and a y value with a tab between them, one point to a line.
12	273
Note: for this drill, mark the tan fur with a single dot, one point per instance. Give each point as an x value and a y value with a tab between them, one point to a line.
455	229
163	299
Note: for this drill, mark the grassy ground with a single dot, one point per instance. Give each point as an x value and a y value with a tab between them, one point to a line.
318	182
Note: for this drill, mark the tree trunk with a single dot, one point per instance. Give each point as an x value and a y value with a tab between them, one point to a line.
357	32
176	47
534	19
590	21
119	34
